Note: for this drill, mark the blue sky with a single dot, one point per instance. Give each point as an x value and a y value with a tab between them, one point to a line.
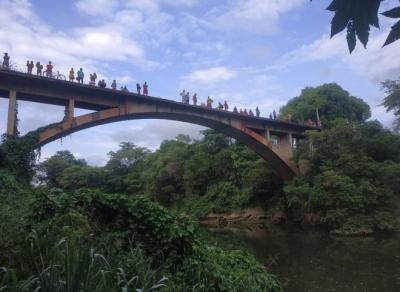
249	52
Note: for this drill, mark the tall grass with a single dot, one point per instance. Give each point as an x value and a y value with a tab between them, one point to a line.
73	265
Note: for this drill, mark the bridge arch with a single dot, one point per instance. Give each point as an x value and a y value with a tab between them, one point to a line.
229	127
115	105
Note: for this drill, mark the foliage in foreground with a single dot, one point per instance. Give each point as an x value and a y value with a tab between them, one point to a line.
356	16
83	240
75	266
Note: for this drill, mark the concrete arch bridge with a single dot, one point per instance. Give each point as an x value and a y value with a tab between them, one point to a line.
273	140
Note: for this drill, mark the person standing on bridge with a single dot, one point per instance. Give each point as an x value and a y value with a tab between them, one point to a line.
257	112
30	65
145	89
251	114
6	61
194	98
81	75
245	112
114	85
187	98
71	75
39	68
49	70
183	95
138	88
209	102
226	107
92	78
102	83
220	106
274	114
235	110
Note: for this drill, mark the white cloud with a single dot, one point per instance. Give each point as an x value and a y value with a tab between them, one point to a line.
84	46
211	75
153	132
253	15
375	62
97	7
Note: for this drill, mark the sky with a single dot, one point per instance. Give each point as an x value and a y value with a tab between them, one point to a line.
248	52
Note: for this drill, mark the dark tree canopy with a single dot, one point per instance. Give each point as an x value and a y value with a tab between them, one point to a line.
51	170
331	101
357	16
392	100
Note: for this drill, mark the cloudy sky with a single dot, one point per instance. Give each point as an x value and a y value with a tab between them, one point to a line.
249	52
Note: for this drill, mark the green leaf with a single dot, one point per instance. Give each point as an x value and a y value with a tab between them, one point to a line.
361	26
336	5
351	37
392	13
373	12
394	34
339	22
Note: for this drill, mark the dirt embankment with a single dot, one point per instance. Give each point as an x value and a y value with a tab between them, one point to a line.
248	217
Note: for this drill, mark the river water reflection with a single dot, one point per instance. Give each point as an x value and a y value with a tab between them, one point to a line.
317	261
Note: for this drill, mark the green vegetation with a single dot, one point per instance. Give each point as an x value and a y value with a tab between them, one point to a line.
350	186
89	228
82	239
353	165
392	100
214	174
331	101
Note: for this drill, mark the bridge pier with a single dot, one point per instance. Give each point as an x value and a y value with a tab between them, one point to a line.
285	145
70	109
12	114
267	134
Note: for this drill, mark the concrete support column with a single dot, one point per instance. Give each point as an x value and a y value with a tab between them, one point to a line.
290	137
267	134
12	108
285	144
71	109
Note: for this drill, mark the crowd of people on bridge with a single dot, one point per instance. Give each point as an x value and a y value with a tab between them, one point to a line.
185	95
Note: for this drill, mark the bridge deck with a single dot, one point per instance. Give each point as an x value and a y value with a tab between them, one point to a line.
57	92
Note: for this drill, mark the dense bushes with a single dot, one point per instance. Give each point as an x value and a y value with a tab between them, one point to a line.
126	216
351	181
96	241
90	240
207	270
214	174
18	155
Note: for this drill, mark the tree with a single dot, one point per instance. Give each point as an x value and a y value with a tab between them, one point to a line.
125	166
392	100
128	156
50	171
357	16
351	179
331	101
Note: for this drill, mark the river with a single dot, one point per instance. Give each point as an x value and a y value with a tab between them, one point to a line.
318	261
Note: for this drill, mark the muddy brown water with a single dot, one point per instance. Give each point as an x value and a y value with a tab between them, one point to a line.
318	261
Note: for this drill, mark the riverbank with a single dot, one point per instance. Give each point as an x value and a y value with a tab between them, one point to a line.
257	217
